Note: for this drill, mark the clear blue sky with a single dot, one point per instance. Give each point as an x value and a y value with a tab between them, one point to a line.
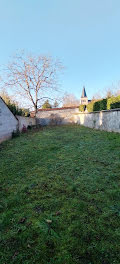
84	34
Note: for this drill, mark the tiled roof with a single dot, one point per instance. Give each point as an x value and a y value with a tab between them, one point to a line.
53	109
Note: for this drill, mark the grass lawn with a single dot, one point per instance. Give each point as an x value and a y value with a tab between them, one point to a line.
60	199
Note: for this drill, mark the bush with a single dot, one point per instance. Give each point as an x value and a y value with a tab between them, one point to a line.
90	106
104	104
15	133
29	127
24	129
113	102
14	109
13	105
100	105
18	111
115	105
82	108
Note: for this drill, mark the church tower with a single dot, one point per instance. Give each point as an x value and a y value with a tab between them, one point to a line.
83	99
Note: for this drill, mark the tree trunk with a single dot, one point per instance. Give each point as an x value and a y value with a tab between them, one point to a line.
35	114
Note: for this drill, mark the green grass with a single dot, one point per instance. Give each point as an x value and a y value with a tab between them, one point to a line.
60	197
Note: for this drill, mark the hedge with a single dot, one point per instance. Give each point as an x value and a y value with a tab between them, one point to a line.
113	102
82	108
104	104
97	105
100	105
90	106
18	111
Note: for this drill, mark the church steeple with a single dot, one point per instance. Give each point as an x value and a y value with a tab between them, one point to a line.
84	99
83	93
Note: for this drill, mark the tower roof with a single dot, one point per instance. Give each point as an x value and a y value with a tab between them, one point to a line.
83	93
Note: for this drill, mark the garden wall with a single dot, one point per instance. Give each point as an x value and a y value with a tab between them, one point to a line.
56	116
25	121
108	120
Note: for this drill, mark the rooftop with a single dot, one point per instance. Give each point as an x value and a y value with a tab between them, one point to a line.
83	93
53	109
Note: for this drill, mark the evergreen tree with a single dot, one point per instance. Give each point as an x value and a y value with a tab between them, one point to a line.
46	105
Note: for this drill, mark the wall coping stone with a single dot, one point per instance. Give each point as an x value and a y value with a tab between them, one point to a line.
95	112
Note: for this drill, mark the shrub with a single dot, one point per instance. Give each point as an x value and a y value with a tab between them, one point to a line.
14	109
15	133
24	129
82	108
115	105
90	106
18	111
13	105
113	102
100	105
29	127
104	104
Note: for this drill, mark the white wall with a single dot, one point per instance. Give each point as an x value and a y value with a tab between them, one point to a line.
104	120
63	116
108	120
8	122
26	121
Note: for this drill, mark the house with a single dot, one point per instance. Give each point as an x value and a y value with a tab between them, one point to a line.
8	122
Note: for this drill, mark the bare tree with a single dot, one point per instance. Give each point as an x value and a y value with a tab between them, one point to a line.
117	89
56	104
34	78
8	98
70	100
96	96
109	93
117	93
112	90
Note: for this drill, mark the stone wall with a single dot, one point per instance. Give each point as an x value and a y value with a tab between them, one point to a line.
25	121
108	120
104	120
8	122
56	116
